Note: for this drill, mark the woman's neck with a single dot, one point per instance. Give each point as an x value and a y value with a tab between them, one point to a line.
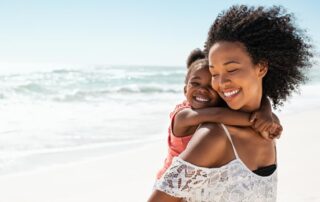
254	103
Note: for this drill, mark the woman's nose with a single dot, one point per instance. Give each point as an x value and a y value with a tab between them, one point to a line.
223	81
220	82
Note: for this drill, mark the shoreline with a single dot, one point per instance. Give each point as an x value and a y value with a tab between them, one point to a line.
60	157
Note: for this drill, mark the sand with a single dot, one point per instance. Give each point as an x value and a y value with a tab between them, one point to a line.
129	176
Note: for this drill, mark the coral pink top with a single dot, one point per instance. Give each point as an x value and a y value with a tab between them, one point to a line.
176	144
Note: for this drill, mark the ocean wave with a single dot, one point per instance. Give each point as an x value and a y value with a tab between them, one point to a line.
146	89
32	93
65	85
64	71
31	88
91	95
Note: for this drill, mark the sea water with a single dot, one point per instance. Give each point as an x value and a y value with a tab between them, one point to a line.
60	115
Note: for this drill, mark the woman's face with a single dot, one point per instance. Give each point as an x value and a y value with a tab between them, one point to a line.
234	76
198	90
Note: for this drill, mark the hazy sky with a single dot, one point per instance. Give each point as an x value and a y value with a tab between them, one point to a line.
160	32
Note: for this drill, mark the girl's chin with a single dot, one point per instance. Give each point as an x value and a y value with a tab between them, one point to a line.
197	105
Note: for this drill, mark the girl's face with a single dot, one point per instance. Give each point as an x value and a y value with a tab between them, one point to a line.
234	76
198	90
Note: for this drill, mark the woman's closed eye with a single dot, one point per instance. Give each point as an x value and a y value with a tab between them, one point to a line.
232	70
214	76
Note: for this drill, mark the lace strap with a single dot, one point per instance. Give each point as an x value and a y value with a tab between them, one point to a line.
229	137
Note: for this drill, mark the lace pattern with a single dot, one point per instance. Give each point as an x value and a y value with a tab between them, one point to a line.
231	182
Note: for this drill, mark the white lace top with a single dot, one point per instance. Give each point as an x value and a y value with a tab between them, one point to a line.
231	182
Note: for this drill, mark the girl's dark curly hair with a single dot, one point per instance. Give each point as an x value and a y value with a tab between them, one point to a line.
195	58
270	36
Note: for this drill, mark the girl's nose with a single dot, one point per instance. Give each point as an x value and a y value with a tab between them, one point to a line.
204	88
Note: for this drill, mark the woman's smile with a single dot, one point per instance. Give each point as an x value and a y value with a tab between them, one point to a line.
234	76
228	94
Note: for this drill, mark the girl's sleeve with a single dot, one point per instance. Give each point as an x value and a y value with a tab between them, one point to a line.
182	178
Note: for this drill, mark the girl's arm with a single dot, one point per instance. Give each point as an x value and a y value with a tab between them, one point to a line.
265	122
193	117
263	118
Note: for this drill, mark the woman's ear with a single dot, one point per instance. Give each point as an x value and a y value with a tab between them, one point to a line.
262	68
185	90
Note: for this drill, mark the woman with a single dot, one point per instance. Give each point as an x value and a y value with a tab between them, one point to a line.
253	53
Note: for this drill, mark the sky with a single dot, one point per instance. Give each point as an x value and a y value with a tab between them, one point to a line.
102	32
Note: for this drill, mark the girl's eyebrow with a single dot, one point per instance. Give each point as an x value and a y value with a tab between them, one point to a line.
195	77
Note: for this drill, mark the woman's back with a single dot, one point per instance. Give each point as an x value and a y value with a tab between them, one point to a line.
226	177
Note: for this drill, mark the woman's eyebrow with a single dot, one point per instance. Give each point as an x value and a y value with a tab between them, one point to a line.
230	62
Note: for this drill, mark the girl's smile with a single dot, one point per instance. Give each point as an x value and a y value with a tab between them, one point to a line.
198	90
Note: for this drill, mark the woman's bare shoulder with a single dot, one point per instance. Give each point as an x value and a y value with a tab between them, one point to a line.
208	146
254	150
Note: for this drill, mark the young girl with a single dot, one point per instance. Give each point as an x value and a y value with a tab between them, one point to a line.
203	104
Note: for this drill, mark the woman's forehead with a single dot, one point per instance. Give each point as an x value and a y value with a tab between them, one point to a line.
225	53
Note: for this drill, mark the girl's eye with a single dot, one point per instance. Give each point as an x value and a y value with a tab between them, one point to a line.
194	83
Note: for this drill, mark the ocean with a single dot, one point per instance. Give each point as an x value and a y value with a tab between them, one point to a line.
62	115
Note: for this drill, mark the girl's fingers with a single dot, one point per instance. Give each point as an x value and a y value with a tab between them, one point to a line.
253	117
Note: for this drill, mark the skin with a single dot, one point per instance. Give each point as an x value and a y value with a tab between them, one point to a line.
198	90
232	71
203	99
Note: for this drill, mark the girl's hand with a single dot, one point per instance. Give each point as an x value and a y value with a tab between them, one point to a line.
265	124
261	121
276	131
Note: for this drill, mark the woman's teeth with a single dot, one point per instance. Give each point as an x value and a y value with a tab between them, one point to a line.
230	93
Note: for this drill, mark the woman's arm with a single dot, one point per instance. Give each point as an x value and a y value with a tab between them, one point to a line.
209	141
159	196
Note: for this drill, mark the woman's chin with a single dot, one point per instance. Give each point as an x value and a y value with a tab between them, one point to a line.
234	106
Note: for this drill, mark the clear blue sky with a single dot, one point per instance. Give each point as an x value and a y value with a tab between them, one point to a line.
151	32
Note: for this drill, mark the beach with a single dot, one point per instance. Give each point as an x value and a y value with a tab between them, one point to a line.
87	89
99	134
129	175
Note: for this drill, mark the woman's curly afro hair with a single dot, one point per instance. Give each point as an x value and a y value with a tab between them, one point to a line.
270	36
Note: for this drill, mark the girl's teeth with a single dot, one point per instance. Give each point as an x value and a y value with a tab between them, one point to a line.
228	94
202	99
